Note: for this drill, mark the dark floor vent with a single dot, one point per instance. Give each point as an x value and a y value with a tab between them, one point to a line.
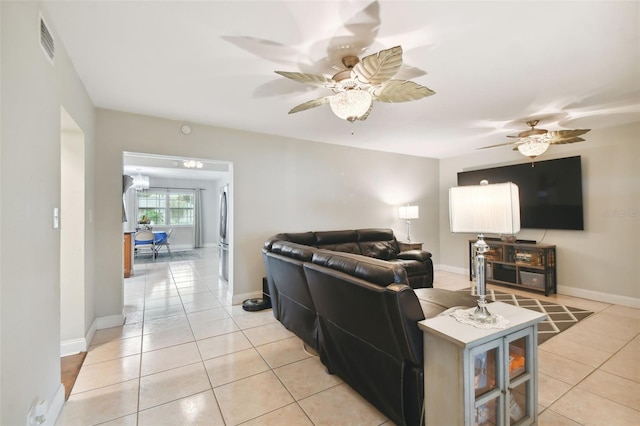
46	41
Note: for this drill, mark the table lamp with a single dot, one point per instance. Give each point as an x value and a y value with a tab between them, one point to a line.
407	213
481	209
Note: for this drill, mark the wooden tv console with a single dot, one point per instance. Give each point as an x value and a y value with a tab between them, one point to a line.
519	264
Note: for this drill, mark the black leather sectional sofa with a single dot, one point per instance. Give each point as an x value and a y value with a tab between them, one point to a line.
360	313
377	243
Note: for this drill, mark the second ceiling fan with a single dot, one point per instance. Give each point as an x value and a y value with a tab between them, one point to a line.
534	142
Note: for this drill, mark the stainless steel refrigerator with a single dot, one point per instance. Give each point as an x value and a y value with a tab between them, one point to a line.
224	233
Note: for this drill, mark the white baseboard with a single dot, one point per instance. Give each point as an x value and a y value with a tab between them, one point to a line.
239	298
599	296
72	347
75	346
110	321
56	406
452	269
614	299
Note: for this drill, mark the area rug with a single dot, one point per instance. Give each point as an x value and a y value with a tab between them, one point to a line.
163	256
559	317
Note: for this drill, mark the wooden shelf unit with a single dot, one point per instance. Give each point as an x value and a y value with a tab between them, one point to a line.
524	265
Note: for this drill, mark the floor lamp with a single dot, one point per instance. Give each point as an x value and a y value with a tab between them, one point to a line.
483	209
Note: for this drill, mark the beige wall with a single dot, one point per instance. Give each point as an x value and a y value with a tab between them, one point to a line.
278	185
32	93
600	262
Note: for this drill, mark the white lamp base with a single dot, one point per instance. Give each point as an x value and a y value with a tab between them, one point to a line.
481	314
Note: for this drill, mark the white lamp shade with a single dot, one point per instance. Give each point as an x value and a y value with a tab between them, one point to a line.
408	212
481	209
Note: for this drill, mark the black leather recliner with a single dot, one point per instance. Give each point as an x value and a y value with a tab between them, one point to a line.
288	289
370	338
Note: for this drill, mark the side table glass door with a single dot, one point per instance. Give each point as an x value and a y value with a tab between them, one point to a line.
503	391
487	395
520	376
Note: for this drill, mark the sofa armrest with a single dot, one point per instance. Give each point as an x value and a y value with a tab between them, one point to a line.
420	255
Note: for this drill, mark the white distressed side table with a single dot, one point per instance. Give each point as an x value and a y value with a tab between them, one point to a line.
475	376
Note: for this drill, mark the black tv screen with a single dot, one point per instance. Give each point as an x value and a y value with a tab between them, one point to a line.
550	191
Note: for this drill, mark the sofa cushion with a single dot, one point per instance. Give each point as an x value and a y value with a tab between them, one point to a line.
420	255
384	250
293	250
378	243
411	267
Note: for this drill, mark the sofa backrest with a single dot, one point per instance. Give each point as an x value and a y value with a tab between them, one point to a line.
344	241
379	243
365	268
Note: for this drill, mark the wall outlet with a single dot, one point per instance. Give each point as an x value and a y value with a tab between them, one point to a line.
38	414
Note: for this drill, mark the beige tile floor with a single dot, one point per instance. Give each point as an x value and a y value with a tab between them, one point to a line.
186	356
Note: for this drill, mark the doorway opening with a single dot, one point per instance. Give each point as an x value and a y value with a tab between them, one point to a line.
192	225
72	236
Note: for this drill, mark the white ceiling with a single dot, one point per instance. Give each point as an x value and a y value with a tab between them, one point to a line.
493	65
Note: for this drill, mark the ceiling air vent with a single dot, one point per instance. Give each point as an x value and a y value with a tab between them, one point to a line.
46	41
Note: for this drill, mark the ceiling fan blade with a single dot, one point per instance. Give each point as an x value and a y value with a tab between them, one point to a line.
312	79
566	140
563	134
311	104
500	144
377	68
401	91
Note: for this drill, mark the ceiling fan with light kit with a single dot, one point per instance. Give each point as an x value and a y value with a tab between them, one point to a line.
534	142
360	83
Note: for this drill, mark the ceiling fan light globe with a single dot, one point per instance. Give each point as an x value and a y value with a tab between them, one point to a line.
351	104
533	147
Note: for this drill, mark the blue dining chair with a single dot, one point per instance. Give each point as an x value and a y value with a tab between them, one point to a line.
145	240
164	242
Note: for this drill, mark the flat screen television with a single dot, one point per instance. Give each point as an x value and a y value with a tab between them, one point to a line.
550	192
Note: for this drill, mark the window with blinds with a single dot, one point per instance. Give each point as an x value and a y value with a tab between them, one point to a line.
166	207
